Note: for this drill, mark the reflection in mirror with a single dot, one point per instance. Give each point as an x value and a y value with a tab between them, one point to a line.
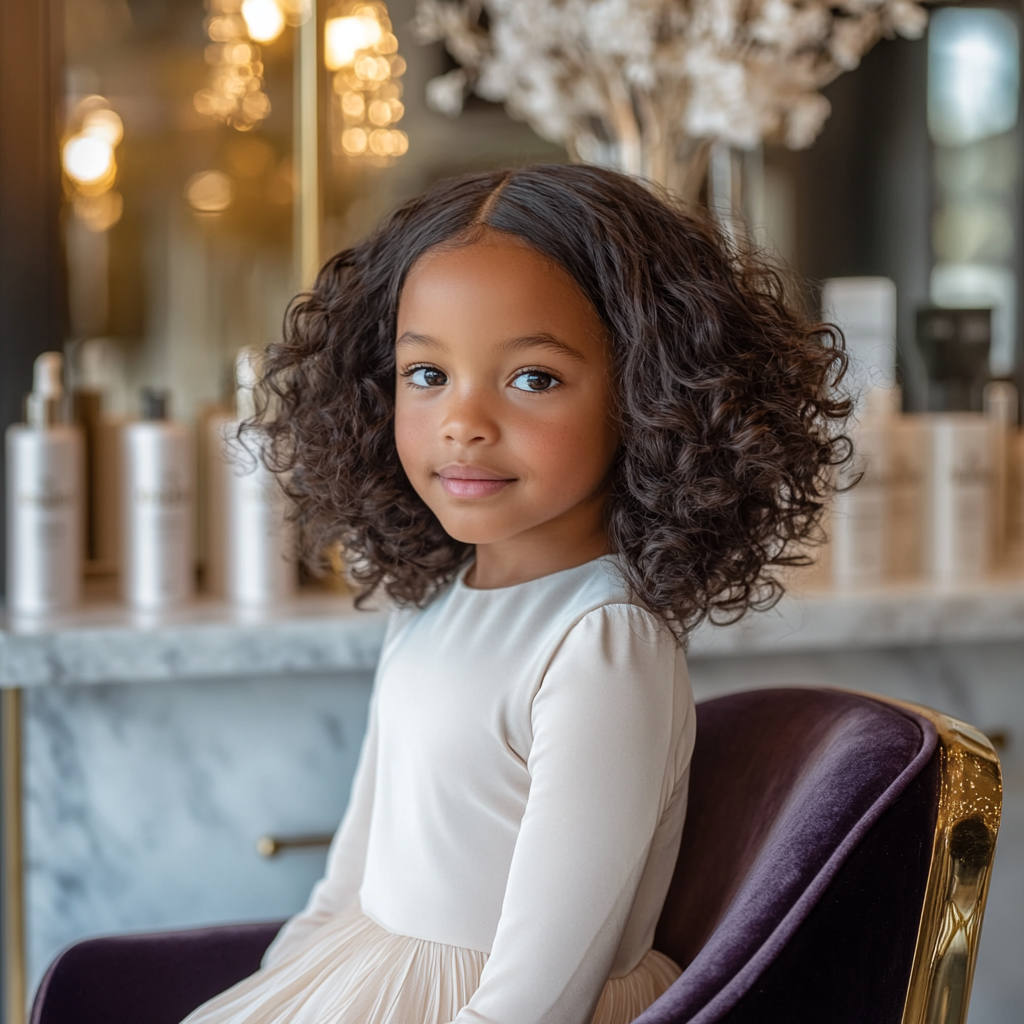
179	186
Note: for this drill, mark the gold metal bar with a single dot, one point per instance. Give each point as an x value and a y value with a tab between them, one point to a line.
307	126
271	846
13	894
963	848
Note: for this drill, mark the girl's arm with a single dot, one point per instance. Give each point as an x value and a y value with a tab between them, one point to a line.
346	860
603	723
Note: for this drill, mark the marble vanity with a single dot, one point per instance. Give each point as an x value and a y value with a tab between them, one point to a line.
153	754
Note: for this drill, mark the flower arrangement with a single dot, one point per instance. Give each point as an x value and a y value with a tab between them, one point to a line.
649	85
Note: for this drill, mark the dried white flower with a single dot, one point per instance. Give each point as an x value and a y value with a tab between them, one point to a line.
447	93
648	85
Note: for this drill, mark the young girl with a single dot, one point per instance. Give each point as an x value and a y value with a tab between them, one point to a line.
559	422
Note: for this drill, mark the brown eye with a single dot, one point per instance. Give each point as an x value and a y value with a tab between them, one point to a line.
534	380
428	377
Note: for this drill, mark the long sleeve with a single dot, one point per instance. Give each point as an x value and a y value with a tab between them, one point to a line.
346	859
603	770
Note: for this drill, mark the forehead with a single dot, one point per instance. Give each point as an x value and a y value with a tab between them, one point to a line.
496	282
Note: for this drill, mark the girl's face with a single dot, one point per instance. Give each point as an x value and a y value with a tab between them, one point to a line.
503	408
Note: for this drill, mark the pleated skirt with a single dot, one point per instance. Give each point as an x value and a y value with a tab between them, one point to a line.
352	971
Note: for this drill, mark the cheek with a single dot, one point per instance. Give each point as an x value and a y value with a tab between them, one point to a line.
412	434
570	452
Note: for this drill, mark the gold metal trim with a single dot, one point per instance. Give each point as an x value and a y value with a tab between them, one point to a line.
307	145
13	886
963	847
271	846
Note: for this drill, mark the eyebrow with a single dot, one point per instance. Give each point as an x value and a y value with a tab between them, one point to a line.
539	340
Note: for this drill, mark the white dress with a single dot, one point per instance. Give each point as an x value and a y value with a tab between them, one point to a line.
513	825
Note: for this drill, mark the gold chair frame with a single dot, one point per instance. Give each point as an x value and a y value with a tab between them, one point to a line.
963	847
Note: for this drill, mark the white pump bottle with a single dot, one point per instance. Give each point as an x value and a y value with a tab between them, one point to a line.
44	499
251	542
158	490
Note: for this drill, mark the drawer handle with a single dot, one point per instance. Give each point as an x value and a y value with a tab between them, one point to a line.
271	846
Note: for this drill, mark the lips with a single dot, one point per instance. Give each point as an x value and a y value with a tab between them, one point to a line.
460	481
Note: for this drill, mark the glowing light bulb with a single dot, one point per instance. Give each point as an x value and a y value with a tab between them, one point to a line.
88	159
264	20
345	37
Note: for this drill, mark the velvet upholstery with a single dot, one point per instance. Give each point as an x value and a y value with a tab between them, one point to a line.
148	979
804	858
796	896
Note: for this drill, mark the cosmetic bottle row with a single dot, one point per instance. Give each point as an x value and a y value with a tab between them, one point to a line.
935	496
120	496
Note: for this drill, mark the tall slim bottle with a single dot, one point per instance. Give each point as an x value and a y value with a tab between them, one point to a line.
158	487
865	309
859	512
905	496
959	497
44	498
251	554
1000	402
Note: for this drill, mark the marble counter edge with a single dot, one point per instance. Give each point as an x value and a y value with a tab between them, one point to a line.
324	634
207	640
897	617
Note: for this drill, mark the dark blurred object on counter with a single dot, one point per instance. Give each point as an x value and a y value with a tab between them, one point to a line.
954	346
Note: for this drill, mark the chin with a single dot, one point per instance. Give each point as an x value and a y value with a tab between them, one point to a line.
475	533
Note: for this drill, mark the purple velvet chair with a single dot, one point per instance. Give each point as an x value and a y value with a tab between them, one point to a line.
834	868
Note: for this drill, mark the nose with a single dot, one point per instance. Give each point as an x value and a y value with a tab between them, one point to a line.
469	418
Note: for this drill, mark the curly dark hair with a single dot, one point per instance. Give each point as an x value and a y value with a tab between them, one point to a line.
730	408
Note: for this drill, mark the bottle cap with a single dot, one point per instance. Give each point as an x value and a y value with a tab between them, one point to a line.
44	405
1001	402
156	403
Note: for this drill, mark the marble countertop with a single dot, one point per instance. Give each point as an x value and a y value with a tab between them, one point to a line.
321	633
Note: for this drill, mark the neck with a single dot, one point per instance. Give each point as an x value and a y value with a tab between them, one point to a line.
559	544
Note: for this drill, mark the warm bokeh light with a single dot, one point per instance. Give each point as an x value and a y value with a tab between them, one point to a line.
88	160
295	11
209	192
103	124
361	49
99	213
353	105
234	94
380	112
353	141
90	163
238	53
388	143
222	29
264	19
345	37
